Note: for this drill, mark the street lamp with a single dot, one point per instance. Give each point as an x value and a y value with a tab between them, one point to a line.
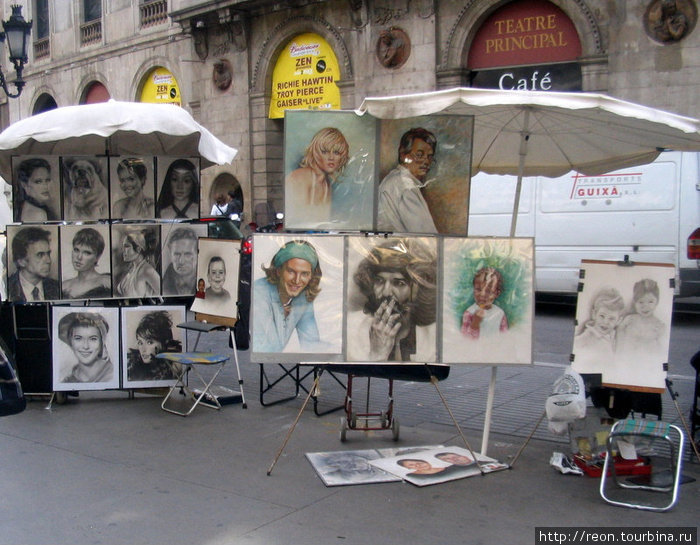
17	31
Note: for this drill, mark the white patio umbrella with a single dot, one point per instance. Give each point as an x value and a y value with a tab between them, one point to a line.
537	133
112	128
531	133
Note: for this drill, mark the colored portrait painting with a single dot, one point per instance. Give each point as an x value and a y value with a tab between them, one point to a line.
297	296
424	174
329	160
488	300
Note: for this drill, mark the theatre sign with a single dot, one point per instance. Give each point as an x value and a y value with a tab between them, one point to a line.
527	46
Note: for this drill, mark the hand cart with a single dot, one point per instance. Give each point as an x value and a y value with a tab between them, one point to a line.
381	420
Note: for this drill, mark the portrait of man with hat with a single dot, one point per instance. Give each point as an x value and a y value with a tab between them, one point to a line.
283	299
395	284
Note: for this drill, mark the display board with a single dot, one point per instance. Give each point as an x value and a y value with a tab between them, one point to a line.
91	188
94	260
623	323
98	348
400	299
359	173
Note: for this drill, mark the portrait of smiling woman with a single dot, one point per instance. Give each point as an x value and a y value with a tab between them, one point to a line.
85	348
132	196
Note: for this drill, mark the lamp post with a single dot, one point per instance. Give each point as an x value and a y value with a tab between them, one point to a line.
16	30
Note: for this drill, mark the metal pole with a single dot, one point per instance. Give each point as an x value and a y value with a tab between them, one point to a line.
524	137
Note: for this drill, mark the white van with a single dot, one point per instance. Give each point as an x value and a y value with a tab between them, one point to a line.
649	213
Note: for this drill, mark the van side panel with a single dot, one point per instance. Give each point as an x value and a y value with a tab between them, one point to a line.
645	213
690	221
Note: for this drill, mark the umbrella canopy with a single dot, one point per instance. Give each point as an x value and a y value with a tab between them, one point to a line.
534	133
112	128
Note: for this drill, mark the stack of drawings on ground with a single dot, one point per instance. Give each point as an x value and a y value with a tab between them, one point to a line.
421	466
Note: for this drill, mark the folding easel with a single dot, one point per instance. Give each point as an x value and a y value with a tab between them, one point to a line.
206	323
431	373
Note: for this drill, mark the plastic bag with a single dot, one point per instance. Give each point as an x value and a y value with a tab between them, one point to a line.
567	402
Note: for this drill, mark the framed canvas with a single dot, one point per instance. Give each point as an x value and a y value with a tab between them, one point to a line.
147	331
86	261
178	187
132	187
437	465
487	300
297	298
85	182
32	263
85	348
36	189
329	165
623	323
136	260
424	173
218	261
179	257
390	281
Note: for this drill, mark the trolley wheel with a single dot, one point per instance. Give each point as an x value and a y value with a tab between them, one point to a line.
383	421
395	429
60	398
343	428
353	420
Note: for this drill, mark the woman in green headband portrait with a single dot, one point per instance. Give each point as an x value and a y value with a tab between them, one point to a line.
284	299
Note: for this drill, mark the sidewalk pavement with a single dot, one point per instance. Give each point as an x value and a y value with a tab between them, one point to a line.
109	469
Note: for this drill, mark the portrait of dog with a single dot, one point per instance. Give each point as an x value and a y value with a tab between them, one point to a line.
85	191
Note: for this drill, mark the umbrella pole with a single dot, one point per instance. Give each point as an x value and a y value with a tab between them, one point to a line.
489	410
524	137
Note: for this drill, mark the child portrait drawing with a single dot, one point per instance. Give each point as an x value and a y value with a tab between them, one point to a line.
597	335
624	319
487	300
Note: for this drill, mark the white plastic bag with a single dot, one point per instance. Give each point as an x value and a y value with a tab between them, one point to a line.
567	402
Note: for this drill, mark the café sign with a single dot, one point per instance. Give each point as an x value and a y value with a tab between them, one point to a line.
550	77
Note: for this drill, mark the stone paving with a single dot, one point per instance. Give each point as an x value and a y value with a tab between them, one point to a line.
520	391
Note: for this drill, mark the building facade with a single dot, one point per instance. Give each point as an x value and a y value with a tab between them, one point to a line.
220	59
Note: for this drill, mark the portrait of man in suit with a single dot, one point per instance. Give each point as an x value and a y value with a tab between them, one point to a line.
33	278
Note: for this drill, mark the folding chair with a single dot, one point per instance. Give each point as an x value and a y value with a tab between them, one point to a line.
618	491
188	361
